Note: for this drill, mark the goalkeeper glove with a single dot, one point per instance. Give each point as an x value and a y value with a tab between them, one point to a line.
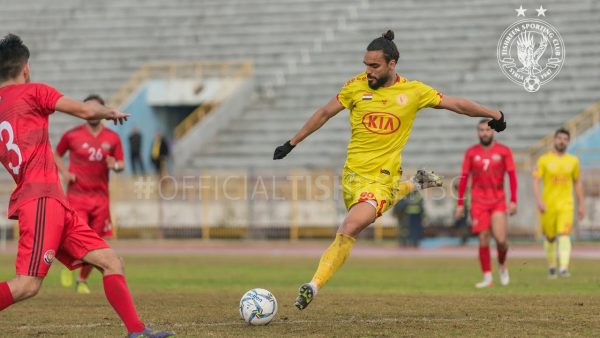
282	151
498	125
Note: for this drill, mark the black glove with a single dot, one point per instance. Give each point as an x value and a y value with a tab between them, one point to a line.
282	151
498	125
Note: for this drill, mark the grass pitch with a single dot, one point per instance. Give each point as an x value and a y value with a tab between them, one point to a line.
198	295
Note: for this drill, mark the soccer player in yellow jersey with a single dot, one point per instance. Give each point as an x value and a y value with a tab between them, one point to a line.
382	108
558	171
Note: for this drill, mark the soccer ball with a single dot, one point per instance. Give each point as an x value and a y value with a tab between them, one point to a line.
532	84
258	307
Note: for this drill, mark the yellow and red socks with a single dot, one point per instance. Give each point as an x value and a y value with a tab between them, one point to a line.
564	251
85	271
550	248
6	297
485	259
332	259
119	297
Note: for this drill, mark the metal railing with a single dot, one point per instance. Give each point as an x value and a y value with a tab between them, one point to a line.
180	70
577	125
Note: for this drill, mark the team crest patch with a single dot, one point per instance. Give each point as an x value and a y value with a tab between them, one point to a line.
107	226
49	257
531	52
105	146
402	99
496	157
367	96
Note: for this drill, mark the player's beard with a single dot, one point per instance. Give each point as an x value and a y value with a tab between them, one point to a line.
93	123
378	83
486	141
560	147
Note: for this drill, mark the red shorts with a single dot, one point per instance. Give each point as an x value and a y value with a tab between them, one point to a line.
96	214
481	215
47	230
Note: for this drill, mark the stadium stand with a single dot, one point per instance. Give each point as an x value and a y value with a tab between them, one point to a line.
302	57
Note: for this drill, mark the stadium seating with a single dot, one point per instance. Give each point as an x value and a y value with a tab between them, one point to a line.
304	51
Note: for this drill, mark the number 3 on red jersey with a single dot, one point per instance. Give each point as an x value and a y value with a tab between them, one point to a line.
10	146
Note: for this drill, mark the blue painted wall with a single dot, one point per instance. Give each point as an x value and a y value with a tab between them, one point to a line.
147	120
587	148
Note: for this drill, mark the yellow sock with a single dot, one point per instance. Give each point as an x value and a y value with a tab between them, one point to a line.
404	188
550	248
564	251
332	259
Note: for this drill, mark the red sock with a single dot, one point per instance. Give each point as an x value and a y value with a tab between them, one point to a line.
484	259
6	298
86	269
118	295
502	255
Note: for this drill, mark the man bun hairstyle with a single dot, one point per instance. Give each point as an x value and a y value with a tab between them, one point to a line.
385	43
14	55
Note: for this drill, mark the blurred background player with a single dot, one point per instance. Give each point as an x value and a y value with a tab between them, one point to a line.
48	227
557	171
135	151
410	213
372	173
487	163
94	150
159	154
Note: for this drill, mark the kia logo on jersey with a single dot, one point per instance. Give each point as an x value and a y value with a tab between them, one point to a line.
381	123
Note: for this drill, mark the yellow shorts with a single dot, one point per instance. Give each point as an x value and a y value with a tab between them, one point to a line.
557	222
357	189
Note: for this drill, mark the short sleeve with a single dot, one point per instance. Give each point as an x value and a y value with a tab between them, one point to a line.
428	96
576	169
538	171
345	95
46	98
118	151
63	145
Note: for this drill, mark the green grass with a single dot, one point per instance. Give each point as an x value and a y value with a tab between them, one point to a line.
198	296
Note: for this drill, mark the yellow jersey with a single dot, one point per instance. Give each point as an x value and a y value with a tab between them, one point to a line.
557	173
381	122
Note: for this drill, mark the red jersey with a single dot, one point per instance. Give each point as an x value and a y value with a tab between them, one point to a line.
25	149
87	159
487	168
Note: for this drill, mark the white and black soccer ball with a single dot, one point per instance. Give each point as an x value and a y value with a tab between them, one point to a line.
532	84
258	307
